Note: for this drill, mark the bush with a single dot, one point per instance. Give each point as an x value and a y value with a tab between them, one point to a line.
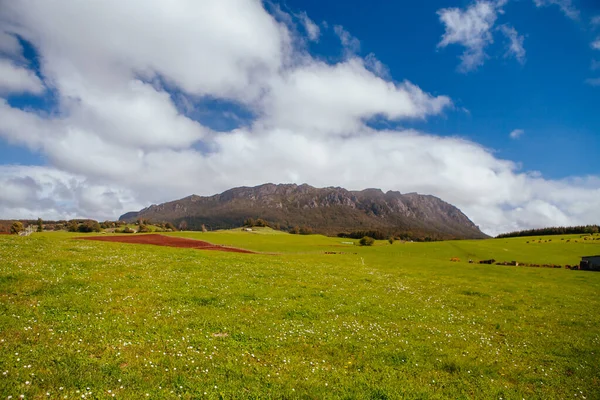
16	228
89	226
73	226
305	230
366	241
144	228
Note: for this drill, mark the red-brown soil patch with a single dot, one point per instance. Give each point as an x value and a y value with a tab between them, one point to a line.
169	241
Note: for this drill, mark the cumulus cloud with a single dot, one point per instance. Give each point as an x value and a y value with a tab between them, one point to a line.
119	138
335	99
517	133
470	28
566	6
596	44
515	46
16	79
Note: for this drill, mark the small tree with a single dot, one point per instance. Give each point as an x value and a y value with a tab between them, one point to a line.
16	228
144	228
73	226
183	225
366	241
391	240
89	226
170	226
40	225
306	230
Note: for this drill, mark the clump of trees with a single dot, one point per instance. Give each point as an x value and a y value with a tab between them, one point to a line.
259	222
83	226
366	241
557	230
302	230
374	234
16	228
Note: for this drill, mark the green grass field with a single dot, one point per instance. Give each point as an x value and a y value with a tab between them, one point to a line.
83	319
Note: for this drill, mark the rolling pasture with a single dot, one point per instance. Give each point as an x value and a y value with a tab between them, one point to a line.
308	317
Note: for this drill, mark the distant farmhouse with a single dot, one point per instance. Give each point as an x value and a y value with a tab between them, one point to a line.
590	263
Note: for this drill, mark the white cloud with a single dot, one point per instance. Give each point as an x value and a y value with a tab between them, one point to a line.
376	66
350	43
515	47
596	44
312	30
222	48
47	192
595	21
15	79
334	99
9	45
566	6
118	142
471	29
517	133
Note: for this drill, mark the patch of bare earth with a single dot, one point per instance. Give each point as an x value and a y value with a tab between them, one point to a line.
169	241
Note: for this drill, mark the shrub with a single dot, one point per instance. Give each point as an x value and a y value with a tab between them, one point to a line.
73	226
16	228
89	226
305	230
366	241
144	228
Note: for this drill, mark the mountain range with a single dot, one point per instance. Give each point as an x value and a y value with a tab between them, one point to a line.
330	211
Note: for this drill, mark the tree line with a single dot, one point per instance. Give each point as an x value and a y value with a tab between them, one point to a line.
557	230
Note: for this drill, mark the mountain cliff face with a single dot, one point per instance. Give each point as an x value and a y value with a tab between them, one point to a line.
329	210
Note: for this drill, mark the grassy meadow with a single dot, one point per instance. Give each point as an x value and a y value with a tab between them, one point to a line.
83	319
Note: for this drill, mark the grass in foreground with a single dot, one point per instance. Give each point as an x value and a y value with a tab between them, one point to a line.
99	320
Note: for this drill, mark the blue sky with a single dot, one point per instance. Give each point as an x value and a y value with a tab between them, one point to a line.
129	105
547	96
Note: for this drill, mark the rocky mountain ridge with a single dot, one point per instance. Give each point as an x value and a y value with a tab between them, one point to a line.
330	210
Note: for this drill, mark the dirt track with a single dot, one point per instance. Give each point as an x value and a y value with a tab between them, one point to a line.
169	241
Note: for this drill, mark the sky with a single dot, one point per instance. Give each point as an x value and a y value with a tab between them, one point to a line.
492	105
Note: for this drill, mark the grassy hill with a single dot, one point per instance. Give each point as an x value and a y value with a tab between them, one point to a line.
400	320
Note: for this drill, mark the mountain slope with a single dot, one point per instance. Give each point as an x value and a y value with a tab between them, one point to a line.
329	210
